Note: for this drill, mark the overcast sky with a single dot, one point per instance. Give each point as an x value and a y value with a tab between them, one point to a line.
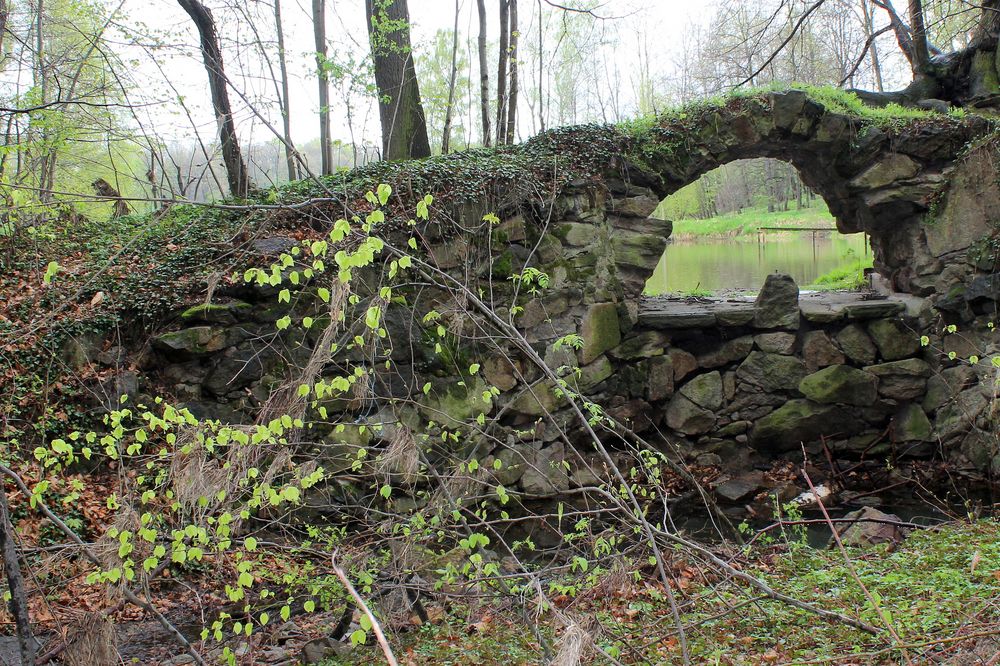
662	23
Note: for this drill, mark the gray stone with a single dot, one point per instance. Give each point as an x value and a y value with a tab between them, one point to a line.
191	342
728	352
644	344
513	460
958	417
894	341
982	449
873	309
594	373
704	390
686	417
273	245
772	372
941	388
891	168
501	372
234	371
575	234
856	344
684	363
873	527
659	378
600	331
741	487
777	304
734	314
801	421
840	383
321	650
910	424
901	380
537	400
546	475
776	343
818	351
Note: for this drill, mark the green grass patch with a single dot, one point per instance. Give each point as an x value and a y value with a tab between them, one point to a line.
750	220
935	585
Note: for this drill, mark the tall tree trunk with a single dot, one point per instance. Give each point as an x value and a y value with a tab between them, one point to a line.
502	71
232	157
286	108
918	32
869	14
18	603
512	98
484	74
323	80
4	13
45	168
404	127
446	134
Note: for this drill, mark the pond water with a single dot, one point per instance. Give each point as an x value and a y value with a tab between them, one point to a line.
715	264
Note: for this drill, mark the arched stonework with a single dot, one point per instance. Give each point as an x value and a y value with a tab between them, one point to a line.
881	180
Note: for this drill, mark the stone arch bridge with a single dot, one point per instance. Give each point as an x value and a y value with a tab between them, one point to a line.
726	384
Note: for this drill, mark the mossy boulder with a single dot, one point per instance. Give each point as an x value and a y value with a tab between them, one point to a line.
217	313
194	341
840	383
802	421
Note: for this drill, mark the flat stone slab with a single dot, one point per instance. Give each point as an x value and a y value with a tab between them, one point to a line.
667	312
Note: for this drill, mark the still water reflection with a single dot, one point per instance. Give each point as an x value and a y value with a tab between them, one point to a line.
715	264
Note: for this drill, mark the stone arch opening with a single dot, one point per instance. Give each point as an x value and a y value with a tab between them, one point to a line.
747	219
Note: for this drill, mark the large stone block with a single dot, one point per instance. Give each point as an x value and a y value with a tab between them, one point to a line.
600	331
894	340
840	383
802	421
772	372
856	344
901	380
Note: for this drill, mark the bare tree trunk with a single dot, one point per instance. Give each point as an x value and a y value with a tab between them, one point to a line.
446	134
541	71
323	80
512	99
286	108
404	127
232	157
484	74
15	584
502	71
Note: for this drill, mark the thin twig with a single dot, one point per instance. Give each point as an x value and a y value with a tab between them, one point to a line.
376	628
850	567
131	596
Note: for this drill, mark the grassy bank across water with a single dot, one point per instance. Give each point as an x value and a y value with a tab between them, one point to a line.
746	223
